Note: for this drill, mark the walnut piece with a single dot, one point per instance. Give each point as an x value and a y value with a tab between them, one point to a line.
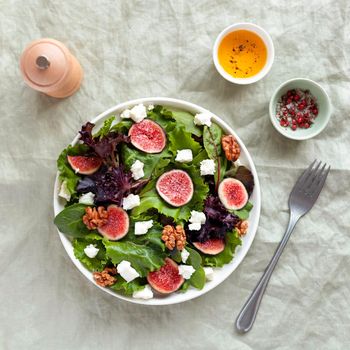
106	277
95	218
231	147
242	227
174	237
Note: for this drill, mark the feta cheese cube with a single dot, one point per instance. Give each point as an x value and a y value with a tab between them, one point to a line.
186	271
184	156
137	170
202	119
131	201
87	198
91	251
207	167
209	273
184	255
197	217
196	226
64	192
125	270
137	113
141	227
145	293
150	107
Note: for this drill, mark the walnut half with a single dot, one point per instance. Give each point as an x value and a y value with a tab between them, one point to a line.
242	227
95	218
174	237
106	277
231	147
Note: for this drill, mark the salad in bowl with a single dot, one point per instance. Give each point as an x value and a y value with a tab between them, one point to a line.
154	202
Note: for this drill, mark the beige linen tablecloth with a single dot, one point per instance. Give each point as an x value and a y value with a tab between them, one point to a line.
132	49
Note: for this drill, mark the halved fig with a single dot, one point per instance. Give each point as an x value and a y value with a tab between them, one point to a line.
117	225
148	136
232	193
175	187
211	246
167	279
84	165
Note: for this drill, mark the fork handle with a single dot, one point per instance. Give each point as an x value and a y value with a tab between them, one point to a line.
250	309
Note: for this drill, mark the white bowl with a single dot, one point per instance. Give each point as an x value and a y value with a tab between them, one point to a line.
269	46
220	273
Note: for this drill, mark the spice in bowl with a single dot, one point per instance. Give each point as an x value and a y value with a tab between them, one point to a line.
297	109
242	53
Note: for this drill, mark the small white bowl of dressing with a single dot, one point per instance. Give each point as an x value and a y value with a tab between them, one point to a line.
243	53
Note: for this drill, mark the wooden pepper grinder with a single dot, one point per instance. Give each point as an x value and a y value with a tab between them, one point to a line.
49	67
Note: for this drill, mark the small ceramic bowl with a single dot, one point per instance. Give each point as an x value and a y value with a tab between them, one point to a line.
269	46
323	103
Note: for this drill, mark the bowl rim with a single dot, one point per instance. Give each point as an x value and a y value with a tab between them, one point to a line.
297	136
263	34
227	269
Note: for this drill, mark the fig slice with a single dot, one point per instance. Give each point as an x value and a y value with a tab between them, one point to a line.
84	165
212	246
167	279
147	136
232	193
175	187
117	225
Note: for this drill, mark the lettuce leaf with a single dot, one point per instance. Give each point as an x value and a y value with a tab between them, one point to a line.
128	288
243	213
219	260
163	117
181	139
153	162
185	119
142	258
151	200
66	173
69	221
105	128
95	264
122	127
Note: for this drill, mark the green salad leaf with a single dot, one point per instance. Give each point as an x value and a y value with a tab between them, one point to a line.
69	221
163	117
128	288
153	162
66	173
93	264
179	139
105	128
194	259
197	280
122	127
243	213
142	258
219	260
185	119
151	200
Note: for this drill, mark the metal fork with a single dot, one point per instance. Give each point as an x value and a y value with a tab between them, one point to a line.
302	198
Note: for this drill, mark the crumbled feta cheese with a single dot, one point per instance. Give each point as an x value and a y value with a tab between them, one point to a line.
197	217
125	270
91	251
137	113
141	227
209	273
145	293
186	271
150	107
137	170
196	226
131	201
203	119
87	198
184	156
64	192
207	167
184	255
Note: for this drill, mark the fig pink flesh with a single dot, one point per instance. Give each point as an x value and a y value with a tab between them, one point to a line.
117	225
211	247
233	194
84	165
175	187
148	136
167	279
